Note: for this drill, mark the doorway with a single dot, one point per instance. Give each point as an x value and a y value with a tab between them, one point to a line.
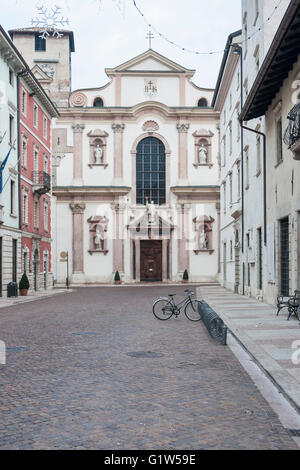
151	260
284	257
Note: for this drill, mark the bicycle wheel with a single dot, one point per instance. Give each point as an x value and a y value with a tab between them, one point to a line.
191	311
162	309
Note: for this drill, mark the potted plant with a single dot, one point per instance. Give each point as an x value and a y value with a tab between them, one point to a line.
185	276
24	285
117	278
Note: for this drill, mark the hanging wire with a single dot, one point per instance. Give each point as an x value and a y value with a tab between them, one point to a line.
185	49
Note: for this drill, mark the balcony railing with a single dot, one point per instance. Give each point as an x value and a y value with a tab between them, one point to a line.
41	182
292	134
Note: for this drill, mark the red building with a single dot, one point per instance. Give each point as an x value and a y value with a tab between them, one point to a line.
35	111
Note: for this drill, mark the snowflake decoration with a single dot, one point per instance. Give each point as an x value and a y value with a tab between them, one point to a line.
49	21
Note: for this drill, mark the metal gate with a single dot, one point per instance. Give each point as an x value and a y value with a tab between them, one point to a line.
284	258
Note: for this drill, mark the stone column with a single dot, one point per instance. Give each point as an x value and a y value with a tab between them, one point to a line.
77	209
183	151
118	224
118	150
77	159
183	253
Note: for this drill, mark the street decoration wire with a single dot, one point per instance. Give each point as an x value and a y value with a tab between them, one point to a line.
185	49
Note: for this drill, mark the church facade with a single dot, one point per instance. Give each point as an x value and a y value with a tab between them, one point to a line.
136	173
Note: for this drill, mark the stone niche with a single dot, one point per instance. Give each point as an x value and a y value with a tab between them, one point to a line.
203	227
203	148
98	226
98	150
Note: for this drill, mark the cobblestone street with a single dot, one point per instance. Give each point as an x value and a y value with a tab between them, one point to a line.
69	382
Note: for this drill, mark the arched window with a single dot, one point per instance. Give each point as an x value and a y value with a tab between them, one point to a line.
202	103
98	103
151	171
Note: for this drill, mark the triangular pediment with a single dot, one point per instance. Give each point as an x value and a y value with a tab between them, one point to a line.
40	74
149	61
142	222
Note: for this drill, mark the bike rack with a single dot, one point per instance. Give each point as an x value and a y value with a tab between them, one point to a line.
214	324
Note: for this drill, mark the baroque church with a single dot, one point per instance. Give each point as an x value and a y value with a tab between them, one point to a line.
135	170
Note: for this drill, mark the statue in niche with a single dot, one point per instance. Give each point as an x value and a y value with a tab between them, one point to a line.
201	237
98	155
151	211
202	155
101	229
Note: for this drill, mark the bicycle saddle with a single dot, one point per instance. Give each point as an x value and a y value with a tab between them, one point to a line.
172	295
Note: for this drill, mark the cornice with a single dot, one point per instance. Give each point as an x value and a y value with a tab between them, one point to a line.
81	191
132	113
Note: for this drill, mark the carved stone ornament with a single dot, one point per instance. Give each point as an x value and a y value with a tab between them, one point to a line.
150	126
78	99
98	226
98	144
77	207
118	128
203	234
78	128
183	127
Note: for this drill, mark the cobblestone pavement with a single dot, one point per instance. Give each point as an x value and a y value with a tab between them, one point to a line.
69	382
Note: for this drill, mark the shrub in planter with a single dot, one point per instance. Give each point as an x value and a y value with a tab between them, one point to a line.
117	278
185	276
24	285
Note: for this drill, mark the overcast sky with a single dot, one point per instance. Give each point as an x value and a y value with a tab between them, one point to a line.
104	38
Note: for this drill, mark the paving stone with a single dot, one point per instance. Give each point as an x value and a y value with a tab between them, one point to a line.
69	391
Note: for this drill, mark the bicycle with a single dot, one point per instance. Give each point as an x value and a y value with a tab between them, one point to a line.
164	307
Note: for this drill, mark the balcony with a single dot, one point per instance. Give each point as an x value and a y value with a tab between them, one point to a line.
292	133
41	182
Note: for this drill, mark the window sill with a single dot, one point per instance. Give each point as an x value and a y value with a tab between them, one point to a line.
91	165
91	252
208	250
196	165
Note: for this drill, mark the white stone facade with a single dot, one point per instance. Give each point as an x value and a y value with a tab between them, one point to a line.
10	235
100	220
242	251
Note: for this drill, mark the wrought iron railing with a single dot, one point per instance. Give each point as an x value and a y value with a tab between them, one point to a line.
42	179
292	133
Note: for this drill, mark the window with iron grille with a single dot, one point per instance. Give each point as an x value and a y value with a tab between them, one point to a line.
151	171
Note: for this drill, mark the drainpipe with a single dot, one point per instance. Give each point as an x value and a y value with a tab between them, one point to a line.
23	72
264	176
20	74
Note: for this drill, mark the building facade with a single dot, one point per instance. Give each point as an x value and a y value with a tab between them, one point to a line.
48	59
11	66
243	250
275	95
36	112
136	177
227	101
